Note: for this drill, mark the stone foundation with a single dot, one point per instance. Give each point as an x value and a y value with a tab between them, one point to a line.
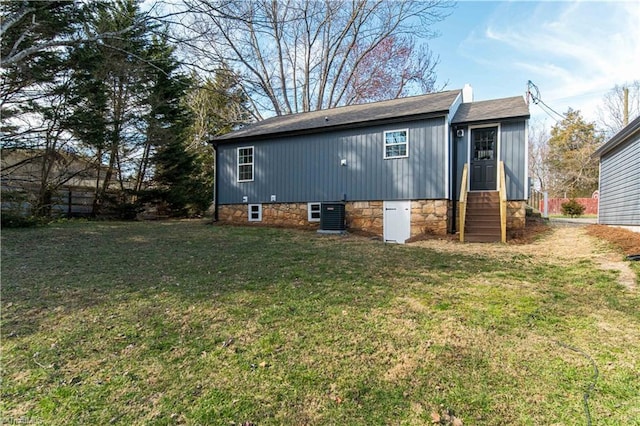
516	218
365	216
427	216
274	214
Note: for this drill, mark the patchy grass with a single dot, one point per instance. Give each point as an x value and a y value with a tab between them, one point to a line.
187	323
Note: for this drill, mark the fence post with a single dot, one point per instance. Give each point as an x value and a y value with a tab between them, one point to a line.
69	203
545	212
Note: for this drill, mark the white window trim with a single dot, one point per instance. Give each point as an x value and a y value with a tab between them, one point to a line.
259	219
253	169
312	219
384	143
498	158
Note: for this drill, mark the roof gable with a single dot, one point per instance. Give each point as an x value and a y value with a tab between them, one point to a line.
492	110
352	115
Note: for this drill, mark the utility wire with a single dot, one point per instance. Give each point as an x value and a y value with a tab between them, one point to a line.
533	92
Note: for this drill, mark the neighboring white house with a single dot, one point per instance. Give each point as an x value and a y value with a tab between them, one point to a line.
619	202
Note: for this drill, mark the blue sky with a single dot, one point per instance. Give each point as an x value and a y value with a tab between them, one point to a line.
574	51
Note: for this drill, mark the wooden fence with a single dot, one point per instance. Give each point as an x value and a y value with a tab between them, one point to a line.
555	205
65	202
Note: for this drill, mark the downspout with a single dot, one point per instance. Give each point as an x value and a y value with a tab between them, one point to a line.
215	181
454	178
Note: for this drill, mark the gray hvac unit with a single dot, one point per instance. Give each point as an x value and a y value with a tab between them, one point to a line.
332	217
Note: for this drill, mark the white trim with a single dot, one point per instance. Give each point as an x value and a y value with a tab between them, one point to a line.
469	131
259	212
526	160
384	143
454	107
309	211
599	186
253	161
448	160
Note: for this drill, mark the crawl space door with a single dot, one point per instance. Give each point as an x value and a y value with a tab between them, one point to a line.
396	221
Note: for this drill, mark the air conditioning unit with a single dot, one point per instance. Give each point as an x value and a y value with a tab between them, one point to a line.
332	218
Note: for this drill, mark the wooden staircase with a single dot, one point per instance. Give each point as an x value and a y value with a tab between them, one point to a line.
482	224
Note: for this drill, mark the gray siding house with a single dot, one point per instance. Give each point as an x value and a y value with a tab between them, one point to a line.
619	202
396	165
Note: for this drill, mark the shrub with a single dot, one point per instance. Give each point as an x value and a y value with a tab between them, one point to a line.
12	220
16	211
572	208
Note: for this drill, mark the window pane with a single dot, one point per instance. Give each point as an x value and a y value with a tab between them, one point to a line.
245	172
484	142
395	144
245	164
245	155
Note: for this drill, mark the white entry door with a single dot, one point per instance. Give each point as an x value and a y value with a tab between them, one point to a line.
397	221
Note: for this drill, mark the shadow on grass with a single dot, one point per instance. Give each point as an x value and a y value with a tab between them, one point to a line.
76	266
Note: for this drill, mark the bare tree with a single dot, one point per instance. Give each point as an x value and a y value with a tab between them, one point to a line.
539	155
611	112
304	55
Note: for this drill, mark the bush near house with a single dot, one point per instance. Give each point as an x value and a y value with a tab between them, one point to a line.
572	208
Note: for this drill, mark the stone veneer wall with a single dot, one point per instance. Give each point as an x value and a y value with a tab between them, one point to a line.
365	216
275	214
427	216
516	217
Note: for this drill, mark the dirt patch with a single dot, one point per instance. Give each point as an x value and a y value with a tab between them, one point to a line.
553	245
627	241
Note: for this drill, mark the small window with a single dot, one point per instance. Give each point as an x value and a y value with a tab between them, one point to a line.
245	164
396	144
484	143
313	212
255	212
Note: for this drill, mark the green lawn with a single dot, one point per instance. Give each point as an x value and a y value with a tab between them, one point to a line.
188	323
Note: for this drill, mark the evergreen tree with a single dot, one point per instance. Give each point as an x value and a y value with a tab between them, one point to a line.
573	171
178	176
110	88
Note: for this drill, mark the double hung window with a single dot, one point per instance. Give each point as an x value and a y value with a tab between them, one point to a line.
245	164
396	144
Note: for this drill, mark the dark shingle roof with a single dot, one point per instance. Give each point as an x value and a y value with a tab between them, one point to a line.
495	109
316	121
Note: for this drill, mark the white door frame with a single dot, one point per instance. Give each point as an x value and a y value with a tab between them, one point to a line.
498	159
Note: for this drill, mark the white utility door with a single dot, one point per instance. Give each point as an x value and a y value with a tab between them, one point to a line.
397	221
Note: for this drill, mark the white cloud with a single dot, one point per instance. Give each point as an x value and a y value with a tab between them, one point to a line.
574	51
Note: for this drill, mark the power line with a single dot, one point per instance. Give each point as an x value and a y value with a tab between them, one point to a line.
533	93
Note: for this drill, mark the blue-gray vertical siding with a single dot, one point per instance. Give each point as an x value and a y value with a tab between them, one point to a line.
620	185
513	151
308	168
